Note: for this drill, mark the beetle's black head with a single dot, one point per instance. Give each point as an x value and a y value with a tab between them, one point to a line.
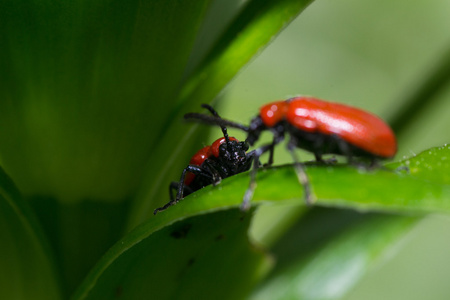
234	155
234	151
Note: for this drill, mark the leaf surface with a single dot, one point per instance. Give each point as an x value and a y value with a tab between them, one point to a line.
26	263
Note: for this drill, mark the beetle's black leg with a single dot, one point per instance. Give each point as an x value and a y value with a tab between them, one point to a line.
180	186
318	157
172	186
180	190
345	149
250	160
328	161
279	137
271	150
301	174
252	186
212	168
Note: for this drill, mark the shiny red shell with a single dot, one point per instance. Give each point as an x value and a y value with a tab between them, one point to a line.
206	152
355	126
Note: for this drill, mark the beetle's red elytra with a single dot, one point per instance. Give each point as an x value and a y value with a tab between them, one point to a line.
356	126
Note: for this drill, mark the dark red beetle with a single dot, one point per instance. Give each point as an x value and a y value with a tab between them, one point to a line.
223	158
318	126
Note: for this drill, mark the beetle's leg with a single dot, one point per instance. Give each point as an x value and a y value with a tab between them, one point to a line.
250	160
345	149
212	168
318	157
301	174
180	186
271	150
252	186
279	137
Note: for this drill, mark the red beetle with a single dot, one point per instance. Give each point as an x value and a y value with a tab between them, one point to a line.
223	158
318	126
325	127
208	155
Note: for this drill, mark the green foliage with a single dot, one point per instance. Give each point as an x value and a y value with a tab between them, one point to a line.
347	255
92	95
189	252
26	264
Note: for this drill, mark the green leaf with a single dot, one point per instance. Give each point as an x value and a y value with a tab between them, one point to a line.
79	233
257	24
207	256
337	186
431	165
27	270
87	87
325	254
251	30
324	263
140	254
333	185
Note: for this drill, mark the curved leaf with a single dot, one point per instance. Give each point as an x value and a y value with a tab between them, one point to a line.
27	270
338	186
332	185
326	263
207	256
251	30
86	89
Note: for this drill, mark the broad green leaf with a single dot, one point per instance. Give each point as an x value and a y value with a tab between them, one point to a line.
87	87
203	257
85	90
338	186
257	24
344	186
328	252
81	234
26	264
369	190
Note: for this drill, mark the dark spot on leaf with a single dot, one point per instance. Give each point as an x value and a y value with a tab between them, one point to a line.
119	291
220	237
190	262
181	232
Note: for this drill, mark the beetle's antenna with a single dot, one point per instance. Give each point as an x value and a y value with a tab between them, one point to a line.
224	129
215	121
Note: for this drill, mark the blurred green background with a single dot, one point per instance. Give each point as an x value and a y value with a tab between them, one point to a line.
373	55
